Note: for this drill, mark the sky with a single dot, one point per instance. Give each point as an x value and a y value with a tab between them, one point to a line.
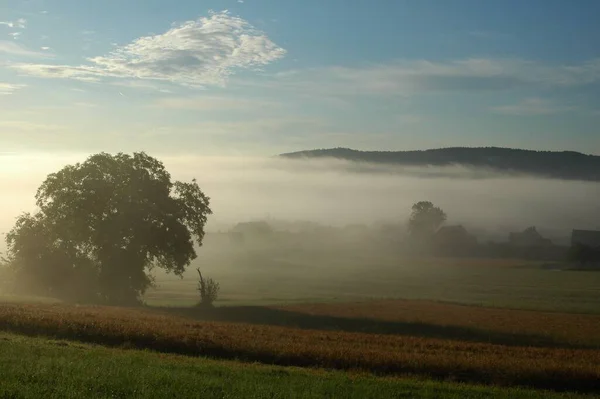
262	77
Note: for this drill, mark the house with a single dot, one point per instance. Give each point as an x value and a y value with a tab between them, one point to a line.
529	237
586	238
454	240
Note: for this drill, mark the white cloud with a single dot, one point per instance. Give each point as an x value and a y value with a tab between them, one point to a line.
9	88
15	35
204	52
205	103
20	23
87	74
13	48
141	85
418	76
530	107
45	48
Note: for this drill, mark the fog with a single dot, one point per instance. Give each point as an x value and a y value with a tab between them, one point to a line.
325	264
334	192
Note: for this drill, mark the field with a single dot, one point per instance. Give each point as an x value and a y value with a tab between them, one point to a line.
521	325
543	366
42	368
349	273
319	324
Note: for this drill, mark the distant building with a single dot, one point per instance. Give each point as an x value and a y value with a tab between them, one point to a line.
454	239
529	237
587	238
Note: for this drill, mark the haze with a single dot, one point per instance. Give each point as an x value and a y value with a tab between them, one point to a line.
332	192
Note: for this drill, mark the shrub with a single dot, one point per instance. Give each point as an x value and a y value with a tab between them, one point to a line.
209	290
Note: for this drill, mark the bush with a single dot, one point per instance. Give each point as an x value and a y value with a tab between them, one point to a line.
209	290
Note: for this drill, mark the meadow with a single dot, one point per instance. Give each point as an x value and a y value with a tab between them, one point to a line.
37	367
352	271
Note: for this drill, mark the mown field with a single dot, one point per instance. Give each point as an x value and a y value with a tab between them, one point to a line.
43	368
270	276
542	365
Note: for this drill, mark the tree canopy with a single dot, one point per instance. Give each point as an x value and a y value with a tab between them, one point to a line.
102	225
425	219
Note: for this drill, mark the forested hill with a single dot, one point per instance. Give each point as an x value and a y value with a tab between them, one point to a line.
555	164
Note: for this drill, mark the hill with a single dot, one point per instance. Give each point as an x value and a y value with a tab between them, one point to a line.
552	164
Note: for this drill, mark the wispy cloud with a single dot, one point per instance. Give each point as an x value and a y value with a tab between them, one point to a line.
204	52
9	88
263	134
20	23
140	84
531	107
9	47
413	77
206	103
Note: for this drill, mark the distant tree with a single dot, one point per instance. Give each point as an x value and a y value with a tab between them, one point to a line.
425	219
102	225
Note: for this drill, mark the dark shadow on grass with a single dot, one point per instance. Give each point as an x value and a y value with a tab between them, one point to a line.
278	317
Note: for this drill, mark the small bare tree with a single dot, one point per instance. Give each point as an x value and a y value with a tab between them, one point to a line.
209	290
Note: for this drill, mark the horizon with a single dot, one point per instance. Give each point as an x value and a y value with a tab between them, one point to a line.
258	77
446	148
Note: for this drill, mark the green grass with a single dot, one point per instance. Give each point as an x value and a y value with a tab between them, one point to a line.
269	277
42	368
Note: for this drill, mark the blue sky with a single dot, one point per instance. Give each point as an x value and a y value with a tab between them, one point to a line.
259	77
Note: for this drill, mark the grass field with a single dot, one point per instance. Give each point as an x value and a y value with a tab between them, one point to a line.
542	367
41	368
501	323
270	277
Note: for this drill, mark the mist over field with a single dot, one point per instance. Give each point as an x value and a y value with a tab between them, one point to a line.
334	192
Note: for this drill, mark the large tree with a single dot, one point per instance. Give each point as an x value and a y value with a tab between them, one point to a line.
425	219
103	224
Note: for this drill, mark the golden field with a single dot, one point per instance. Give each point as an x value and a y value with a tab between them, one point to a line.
567	328
541	366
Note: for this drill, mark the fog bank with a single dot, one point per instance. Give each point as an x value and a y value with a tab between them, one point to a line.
338	193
